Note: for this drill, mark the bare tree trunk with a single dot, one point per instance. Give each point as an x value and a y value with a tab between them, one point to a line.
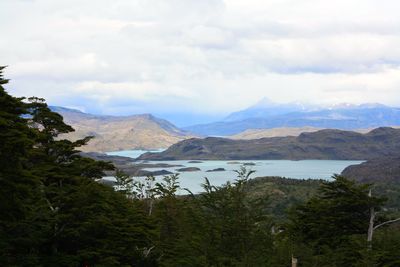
294	261
371	223
151	206
371	226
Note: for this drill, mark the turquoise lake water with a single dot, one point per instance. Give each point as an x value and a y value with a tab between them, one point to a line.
131	153
302	169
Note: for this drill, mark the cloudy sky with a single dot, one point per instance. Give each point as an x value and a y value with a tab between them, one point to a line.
200	58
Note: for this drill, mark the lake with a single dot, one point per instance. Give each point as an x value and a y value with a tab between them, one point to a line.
302	169
132	153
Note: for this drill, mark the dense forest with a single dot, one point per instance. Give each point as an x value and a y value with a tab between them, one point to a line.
54	211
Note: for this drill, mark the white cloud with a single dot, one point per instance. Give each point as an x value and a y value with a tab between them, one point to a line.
146	91
208	56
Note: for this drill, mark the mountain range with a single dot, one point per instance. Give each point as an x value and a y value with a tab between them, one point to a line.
267	108
268	115
113	133
264	119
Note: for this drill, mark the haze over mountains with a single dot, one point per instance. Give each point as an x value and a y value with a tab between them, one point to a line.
265	108
267	115
114	133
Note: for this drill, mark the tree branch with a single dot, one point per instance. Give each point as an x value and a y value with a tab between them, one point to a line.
388	222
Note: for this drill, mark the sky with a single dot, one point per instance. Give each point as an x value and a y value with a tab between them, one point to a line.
198	60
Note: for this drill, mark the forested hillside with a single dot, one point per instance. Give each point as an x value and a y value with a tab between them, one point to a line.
54	212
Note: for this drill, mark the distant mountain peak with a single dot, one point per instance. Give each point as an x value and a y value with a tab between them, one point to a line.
264	102
266	108
373	105
65	109
341	106
355	106
60	109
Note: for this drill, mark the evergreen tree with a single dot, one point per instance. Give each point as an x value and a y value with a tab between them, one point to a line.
332	222
237	229
21	207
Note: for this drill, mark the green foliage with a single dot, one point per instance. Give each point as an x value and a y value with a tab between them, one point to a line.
237	228
124	183
334	223
17	196
386	247
168	187
100	227
340	210
282	193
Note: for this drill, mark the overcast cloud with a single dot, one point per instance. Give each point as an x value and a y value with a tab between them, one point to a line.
204	57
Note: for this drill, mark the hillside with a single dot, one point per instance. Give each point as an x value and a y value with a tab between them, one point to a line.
114	133
274	132
385	170
324	144
338	117
384	174
277	132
